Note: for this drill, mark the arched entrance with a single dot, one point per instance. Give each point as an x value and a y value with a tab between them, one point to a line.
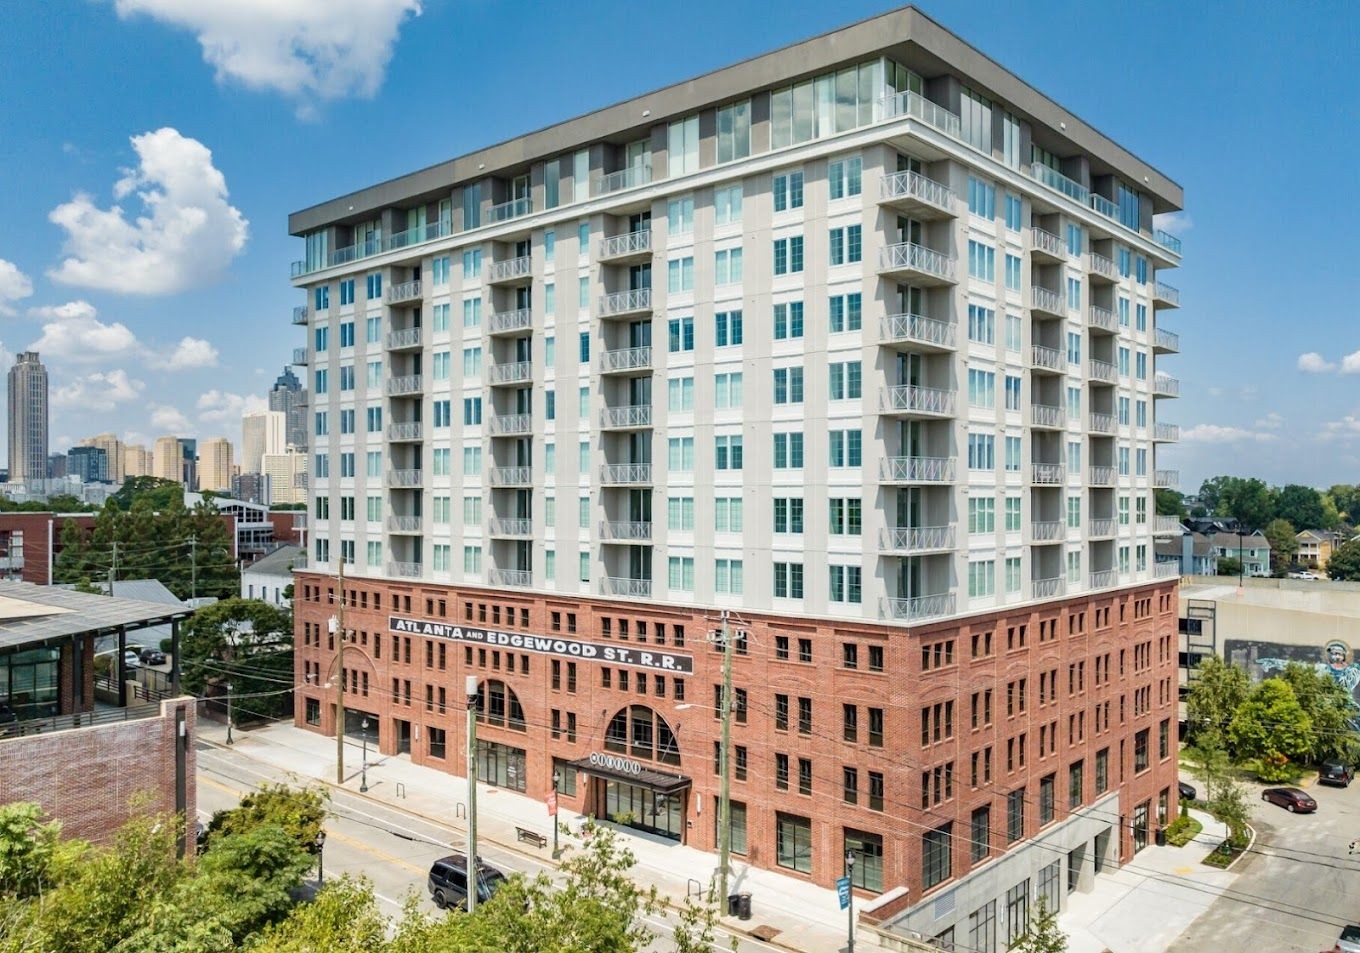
626	788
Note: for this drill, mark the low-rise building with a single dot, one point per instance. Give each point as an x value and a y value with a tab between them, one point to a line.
1193	552
1316	546
269	577
1253	549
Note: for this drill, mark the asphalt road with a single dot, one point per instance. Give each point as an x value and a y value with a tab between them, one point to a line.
1296	888
391	847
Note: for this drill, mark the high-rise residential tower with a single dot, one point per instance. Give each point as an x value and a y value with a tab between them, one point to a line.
289	396
214	465
27	419
262	432
168	459
854	347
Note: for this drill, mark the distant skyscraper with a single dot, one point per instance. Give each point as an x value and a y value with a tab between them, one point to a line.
167	460
27	419
287	476
188	462
251	487
262	432
91	464
113	447
137	461
214	465
288	395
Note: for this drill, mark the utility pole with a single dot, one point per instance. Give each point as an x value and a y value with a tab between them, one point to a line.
473	867
339	620
724	766
113	568
193	567
229	719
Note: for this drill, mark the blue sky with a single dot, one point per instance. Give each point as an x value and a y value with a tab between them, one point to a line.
177	323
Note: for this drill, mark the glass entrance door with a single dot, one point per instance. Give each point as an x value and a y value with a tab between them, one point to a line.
643	809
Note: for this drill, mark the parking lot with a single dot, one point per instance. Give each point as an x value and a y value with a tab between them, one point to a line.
1297	886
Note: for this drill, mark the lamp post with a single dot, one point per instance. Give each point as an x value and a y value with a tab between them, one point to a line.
474	870
320	844
556	779
229	741
850	907
337	627
363	766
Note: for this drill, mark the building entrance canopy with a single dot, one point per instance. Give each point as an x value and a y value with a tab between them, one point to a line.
614	768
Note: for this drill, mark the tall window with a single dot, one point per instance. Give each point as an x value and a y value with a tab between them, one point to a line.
734	131
975	115
936	848
640	732
793	842
682	140
867	849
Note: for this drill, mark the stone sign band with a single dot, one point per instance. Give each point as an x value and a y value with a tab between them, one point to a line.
548	645
614	763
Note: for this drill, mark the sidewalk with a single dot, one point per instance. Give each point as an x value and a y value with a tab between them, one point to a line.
1150	901
785	911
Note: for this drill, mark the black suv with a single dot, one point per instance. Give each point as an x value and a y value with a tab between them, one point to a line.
448	883
1335	772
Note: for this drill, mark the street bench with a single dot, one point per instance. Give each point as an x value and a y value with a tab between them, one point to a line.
527	836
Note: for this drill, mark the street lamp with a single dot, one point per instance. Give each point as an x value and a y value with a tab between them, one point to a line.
229	719
850	905
320	845
363	766
557	779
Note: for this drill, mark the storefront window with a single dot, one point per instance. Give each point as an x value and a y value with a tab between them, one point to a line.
500	765
29	683
793	842
868	852
643	809
566	778
738	828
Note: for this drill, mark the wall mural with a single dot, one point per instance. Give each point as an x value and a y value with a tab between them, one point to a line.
1263	659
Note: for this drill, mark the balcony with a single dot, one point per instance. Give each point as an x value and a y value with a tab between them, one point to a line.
907	540
509	425
1166	479
505	211
1104	372
1047	531
629	178
300	314
1167	526
1164	385
916	470
1103	423
1058	182
913	192
915	106
629	246
1044	246
1048	474
403	292
403	386
1166	342
1103	269
1047	588
627	531
510	476
1048	302
626	474
918	609
929	334
403	524
1047	417
1101	476
1104	207
1166	433
511	270
1047	359
405	570
516	373
406	478
1168	241
632	417
1103	527
1165	296
300	356
628	360
516	578
1103	319
510	322
626	586
1169	569
501	526
626	303
1104	579
404	432
405	339
926	265
909	400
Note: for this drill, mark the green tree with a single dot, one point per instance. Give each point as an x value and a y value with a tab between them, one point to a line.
1171	503
158	492
1211	492
1271	723
1250	501
1345	562
342	918
1346	498
1283	542
1216	692
1229	566
243	641
29	849
299	812
1209	759
1300	505
1043	936
1329	707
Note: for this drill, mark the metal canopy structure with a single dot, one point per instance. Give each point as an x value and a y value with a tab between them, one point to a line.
32	615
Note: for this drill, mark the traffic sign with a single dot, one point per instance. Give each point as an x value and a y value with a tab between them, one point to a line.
843	891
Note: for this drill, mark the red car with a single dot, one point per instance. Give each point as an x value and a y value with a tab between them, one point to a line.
1291	799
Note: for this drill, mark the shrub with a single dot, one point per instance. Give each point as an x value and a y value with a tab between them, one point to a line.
1182	831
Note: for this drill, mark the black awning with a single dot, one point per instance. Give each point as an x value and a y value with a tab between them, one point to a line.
658	781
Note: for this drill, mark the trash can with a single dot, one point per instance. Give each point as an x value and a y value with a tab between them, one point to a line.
743	906
733	904
1161	837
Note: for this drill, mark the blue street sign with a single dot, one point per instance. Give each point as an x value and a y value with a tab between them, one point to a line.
843	891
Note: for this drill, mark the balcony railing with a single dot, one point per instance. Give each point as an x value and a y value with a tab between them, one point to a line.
913	399
627	586
510	476
626	474
1046	531
300	356
508	425
1167	569
1104	578
1164	340
1103	423
621	418
418	234
1168	241
519	578
1166	433
911	539
84	719
509	269
1166	479
629	243
300	314
1047	415
399	386
1164	385
914	186
916	106
406	478
403	292
1104	371
1103	206
626	359
1103	318
623	179
1045	242
505	211
511	526
1047	357
1102	476
406	570
404	338
1048	474
919	329
1058	182
1042	299
907	256
1105	267
916	469
625	531
403	524
1165	293
508	322
919	608
510	373
626	302
407	430
1047	588
1102	527
1167	526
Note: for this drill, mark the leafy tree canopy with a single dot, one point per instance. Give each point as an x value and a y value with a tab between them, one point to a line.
1271	722
243	641
1283	542
1345	562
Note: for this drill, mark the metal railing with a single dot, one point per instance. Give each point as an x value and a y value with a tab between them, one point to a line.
916	469
510	373
1058	182
916	106
1103	206
1104	371
510	476
626	302
634	415
407	430
1166	569
626	474
1043	299
409	477
1103	318
1164	385
1101	476
625	530
510	526
623	179
626	586
1048	357
1047	588
1165	340
1167	526
916	538
1105	267
1168	241
1047	415
1102	423
419	233
1045	241
1168	433
300	313
901	185
519	578
405	291
509	269
300	356
505	211
913	257
403	524
504	425
1166	479
629	243
403	338
917	327
626	359
1103	527
918	608
1048	474
504	322
398	386
84	719
1165	292
915	399
1047	530
1104	578
406	570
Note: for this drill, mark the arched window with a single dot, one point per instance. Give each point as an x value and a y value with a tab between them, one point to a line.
500	706
640	732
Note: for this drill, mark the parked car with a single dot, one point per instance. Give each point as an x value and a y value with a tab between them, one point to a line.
1349	941
1335	772
7	715
448	881
131	659
150	656
1187	792
1291	799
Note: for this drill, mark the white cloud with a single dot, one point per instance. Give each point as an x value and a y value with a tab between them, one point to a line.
186	237
1350	364
306	49
72	331
1177	223
167	419
189	353
1215	433
1314	363
1348	426
98	391
1271	421
14	284
218	406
